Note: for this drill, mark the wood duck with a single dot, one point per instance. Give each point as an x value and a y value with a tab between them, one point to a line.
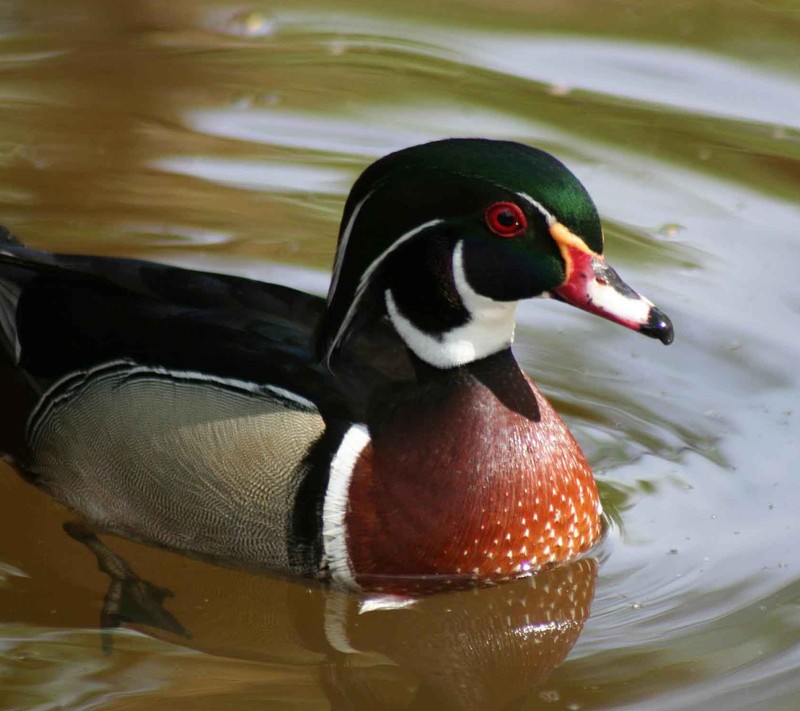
382	438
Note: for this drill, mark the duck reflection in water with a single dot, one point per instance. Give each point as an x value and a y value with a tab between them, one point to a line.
478	648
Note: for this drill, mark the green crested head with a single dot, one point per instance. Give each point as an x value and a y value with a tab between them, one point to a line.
447	236
512	167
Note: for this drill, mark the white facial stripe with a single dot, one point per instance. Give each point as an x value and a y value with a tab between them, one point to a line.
551	220
337	266
334	508
634	309
367	275
490	328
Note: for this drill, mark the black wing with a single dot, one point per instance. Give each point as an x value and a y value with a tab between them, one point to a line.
62	313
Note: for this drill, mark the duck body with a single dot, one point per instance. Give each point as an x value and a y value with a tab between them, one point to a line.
381	438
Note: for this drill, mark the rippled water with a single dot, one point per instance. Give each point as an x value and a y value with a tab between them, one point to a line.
226	135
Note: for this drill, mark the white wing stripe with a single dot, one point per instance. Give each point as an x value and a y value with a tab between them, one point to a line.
334	508
53	396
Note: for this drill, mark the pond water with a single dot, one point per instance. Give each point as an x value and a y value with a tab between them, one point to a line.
225	136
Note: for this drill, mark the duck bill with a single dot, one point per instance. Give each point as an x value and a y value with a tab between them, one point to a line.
594	286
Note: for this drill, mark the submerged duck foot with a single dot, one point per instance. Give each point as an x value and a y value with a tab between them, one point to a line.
129	598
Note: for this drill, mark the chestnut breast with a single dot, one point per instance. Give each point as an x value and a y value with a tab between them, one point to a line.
470	474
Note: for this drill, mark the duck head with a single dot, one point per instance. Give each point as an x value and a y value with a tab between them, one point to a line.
447	237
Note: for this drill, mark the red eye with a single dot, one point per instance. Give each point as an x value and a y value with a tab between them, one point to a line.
506	219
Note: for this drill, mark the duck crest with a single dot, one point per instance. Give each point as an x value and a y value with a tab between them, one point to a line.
470	474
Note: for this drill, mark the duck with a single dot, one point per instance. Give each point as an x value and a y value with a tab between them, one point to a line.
378	439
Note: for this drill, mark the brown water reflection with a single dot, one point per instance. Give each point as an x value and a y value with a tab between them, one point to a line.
225	136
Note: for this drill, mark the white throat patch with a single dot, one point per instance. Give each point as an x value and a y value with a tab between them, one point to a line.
490	328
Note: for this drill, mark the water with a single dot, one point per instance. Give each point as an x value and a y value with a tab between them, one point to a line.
225	136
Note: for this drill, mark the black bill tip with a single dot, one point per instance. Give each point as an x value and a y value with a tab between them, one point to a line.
659	326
